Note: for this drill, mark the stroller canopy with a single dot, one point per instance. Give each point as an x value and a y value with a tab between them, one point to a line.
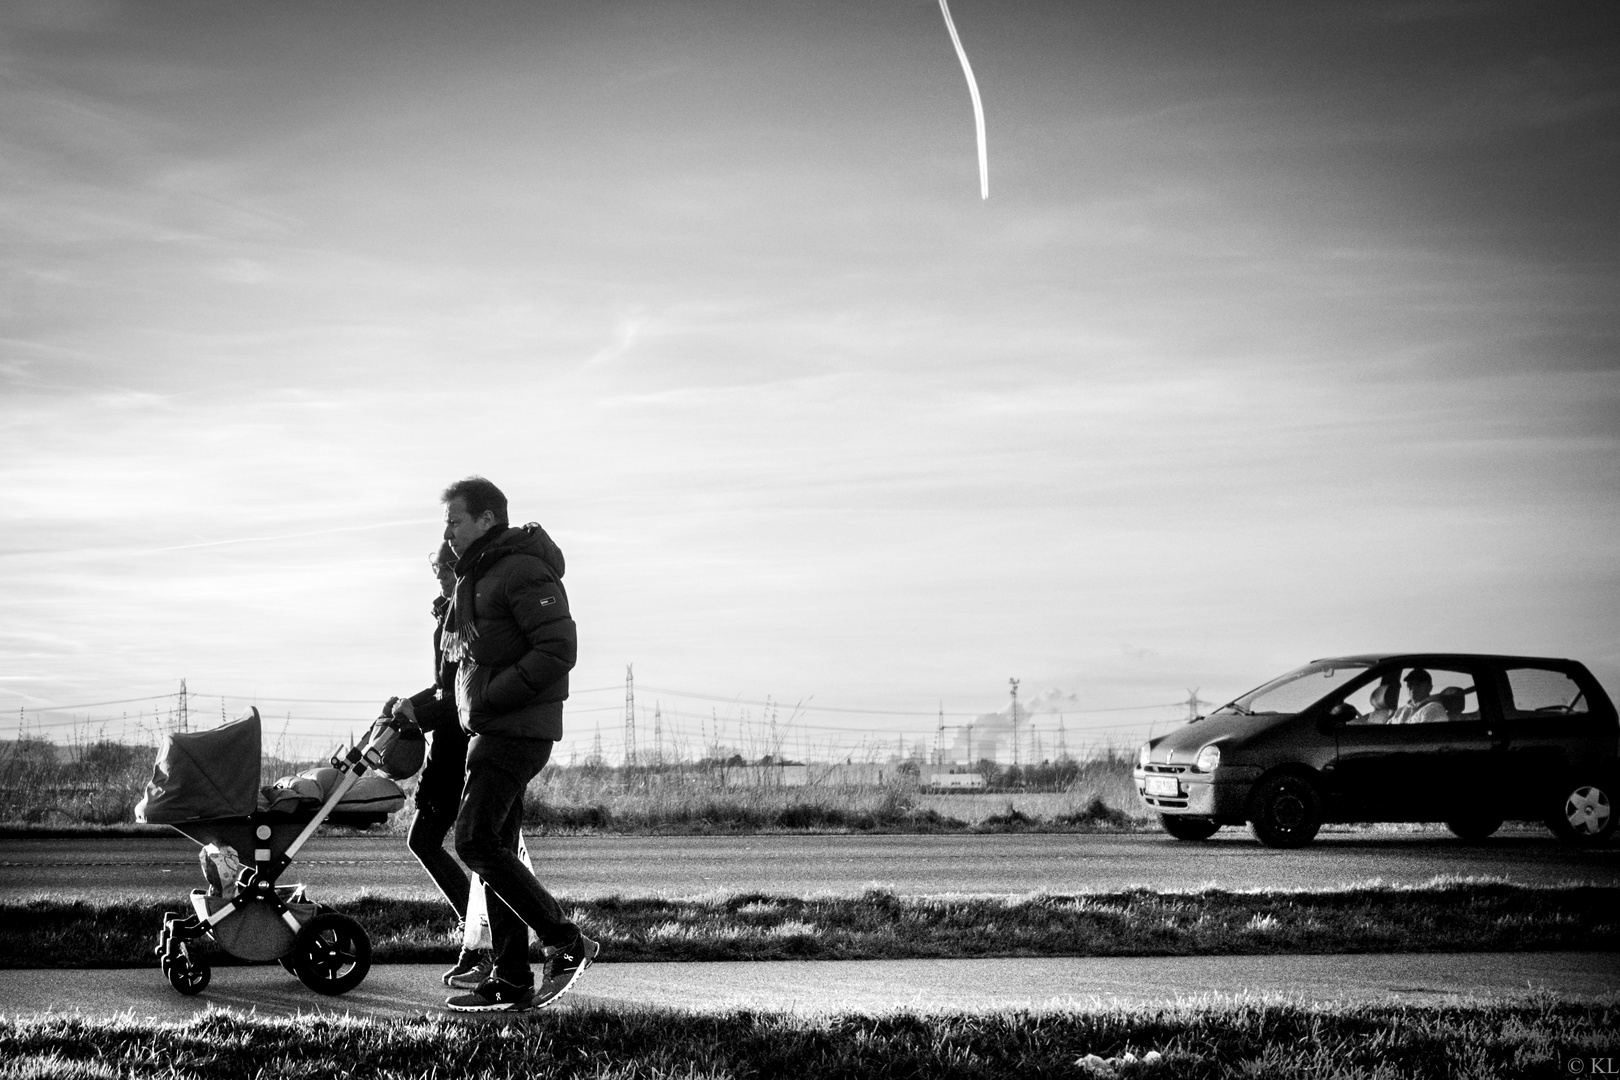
205	775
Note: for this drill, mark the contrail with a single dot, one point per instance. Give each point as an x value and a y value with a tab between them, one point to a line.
978	106
120	553
287	536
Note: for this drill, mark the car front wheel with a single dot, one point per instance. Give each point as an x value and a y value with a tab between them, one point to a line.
1188	828
1585	813
1285	811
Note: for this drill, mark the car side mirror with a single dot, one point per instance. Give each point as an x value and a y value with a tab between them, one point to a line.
1342	713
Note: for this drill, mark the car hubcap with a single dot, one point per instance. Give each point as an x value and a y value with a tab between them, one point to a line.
1287	811
1587	811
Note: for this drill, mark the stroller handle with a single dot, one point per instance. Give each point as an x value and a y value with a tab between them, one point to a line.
352	763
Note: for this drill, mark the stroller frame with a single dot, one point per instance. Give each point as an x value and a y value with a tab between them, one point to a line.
329	952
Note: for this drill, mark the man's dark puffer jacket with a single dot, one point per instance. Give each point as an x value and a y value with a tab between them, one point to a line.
518	646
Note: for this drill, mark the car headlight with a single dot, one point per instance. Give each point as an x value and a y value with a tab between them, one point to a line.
1143	755
1208	758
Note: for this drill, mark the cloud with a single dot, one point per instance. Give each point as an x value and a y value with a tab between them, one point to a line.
625	331
1244	341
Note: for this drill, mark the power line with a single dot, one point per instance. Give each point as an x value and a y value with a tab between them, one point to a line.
734	700
256	698
804	707
95	704
351	719
310	701
314	727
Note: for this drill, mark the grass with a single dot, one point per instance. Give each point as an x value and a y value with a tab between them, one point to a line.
1444	916
1097	793
93	791
1533	1038
97	784
1102	794
833	810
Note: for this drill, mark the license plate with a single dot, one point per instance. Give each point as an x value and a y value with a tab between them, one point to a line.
1163	785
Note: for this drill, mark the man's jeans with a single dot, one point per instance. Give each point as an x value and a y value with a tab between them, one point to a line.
499	768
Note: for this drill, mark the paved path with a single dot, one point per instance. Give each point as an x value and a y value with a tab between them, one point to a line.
582	867
871	986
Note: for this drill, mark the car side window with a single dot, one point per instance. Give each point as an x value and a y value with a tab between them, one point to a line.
1435	696
1375	702
1542	691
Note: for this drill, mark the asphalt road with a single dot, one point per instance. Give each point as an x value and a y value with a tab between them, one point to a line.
860	986
1006	864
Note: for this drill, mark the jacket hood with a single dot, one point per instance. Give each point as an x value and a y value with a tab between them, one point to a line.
486	551
531	539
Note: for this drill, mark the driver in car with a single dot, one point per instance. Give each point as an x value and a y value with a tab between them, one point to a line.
1421	706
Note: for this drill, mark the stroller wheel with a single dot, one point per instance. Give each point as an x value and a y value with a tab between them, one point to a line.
331	954
187	975
286	962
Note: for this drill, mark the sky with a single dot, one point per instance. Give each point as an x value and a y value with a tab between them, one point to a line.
1286	331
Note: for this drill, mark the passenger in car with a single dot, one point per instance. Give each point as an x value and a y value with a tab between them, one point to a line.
1421	707
1451	699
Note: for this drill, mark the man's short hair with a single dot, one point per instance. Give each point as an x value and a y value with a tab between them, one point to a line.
477	495
1414	675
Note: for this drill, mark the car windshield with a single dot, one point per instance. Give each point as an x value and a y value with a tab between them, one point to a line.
1297	690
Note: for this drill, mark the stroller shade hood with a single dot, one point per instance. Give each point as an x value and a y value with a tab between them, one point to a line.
205	775
203	778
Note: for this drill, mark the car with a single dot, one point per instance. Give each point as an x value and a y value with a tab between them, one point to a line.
1466	739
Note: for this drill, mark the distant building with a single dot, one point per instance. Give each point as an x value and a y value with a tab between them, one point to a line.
955	781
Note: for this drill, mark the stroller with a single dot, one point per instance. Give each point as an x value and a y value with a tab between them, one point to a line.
206	785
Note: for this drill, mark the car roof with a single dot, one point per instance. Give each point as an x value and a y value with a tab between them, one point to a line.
1433	657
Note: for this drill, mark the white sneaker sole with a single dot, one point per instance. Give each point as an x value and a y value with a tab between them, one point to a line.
542	998
495	1006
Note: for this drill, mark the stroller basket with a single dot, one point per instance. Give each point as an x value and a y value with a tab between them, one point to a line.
247	932
206	786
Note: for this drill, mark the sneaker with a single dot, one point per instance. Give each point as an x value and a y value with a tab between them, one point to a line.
566	967
472	968
494	995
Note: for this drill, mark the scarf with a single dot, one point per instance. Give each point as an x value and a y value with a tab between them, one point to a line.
460	630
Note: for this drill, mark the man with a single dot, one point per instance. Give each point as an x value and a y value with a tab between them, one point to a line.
1420	707
438	791
510	629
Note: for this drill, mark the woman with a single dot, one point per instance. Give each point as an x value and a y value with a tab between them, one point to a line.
438	791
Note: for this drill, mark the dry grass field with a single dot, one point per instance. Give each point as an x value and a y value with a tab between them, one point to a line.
97	786
1094	793
1106	779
